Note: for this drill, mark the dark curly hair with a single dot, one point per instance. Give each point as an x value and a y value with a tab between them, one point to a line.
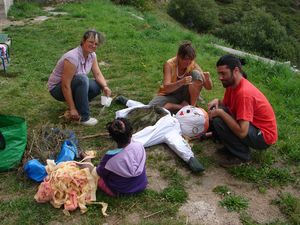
120	131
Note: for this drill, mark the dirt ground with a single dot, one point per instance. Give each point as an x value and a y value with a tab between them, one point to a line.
203	206
6	22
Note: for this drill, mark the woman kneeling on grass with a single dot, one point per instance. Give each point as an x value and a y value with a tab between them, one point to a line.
69	80
122	171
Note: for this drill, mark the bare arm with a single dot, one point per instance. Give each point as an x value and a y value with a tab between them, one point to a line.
215	103
67	76
100	78
207	82
167	82
239	128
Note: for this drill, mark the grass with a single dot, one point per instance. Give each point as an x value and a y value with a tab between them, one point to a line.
22	9
231	201
290	206
222	190
264	175
234	203
134	51
247	220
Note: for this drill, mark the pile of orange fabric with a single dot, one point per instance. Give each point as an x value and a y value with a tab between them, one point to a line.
69	185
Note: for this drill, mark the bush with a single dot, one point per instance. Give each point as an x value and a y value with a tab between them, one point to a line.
201	15
140	4
225	1
46	2
230	14
259	31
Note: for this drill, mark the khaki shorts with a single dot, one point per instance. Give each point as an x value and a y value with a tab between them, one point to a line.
177	97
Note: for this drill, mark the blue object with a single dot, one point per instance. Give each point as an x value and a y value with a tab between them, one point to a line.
67	152
35	170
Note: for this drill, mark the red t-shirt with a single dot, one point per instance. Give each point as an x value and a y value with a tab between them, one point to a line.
246	102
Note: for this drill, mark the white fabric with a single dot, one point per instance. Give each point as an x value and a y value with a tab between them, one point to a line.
166	130
123	112
193	120
131	104
179	145
153	135
105	101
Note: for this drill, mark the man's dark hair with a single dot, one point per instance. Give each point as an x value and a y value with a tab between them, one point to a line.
232	62
186	50
120	131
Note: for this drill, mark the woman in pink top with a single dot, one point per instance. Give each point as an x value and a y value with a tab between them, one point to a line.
69	80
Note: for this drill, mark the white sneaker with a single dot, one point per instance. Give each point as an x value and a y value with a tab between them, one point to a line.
90	122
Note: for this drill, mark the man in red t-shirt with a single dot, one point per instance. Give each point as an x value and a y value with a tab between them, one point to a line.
244	118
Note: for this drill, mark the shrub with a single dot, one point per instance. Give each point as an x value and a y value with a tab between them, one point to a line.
201	15
230	14
259	31
140	4
47	2
225	1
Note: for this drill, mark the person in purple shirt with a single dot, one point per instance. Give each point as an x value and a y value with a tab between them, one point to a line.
69	80
122	171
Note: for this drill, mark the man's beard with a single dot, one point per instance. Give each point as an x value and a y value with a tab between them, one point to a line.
230	82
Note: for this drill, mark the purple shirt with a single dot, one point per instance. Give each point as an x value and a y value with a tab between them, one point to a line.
74	56
124	170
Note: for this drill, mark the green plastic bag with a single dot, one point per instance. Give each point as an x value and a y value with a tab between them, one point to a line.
13	140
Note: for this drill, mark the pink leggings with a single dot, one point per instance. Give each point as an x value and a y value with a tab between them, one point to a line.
104	188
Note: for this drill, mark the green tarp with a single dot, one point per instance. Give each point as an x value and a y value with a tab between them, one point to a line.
13	140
